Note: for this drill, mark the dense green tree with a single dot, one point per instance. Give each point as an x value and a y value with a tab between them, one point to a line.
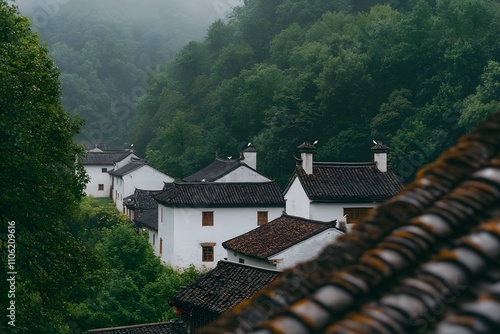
41	181
281	72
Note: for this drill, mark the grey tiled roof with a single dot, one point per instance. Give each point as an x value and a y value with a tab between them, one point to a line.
141	200
222	288
348	182
148	219
171	327
214	171
221	194
128	168
276	236
105	158
426	261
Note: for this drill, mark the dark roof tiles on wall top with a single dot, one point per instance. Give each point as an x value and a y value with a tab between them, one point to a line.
221	194
349	182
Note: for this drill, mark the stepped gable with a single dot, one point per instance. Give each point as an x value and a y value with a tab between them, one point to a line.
348	182
221	194
276	236
172	327
426	261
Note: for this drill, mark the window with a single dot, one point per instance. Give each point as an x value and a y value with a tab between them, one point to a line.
154	235
104	170
100	187
355	215
207	218
241	260
161	245
261	218
207	251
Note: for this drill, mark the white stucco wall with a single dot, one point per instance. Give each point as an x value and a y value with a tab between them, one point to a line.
145	177
98	177
297	202
332	211
305	250
182	232
243	174
251	261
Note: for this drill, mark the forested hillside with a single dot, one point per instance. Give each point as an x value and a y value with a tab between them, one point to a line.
412	74
105	49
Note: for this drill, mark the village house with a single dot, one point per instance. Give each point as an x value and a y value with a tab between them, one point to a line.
426	261
218	291
340	191
195	218
142	210
136	174
97	164
243	169
282	243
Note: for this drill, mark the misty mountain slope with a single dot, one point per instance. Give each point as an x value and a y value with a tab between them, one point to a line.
413	74
105	49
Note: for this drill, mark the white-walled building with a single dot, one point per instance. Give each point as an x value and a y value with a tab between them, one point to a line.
97	165
243	169
329	191
136	174
195	218
282	243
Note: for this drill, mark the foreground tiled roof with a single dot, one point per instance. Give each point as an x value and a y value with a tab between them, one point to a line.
427	261
105	158
128	168
214	171
171	327
221	194
348	182
222	288
276	236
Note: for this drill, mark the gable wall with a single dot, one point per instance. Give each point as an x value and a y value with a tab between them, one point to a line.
305	250
297	202
243	174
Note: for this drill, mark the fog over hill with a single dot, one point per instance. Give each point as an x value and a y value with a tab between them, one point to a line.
105	50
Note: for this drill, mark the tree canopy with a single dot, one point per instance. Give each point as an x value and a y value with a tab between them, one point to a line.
412	74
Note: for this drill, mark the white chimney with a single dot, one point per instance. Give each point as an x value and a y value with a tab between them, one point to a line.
250	156
306	150
380	156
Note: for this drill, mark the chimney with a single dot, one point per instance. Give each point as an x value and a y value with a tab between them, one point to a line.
250	156
306	150
380	156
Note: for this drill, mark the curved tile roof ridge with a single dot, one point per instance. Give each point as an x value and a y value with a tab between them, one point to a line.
447	199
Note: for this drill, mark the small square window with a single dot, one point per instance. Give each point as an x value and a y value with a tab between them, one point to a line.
262	218
207	218
355	215
208	253
241	260
101	187
104	170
